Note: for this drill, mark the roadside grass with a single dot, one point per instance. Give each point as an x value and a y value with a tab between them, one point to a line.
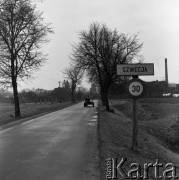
158	136
28	111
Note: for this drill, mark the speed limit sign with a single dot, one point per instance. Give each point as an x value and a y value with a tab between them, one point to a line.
135	88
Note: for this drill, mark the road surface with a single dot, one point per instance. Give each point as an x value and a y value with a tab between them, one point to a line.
58	146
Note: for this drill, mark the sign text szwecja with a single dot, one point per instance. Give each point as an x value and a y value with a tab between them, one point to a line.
135	69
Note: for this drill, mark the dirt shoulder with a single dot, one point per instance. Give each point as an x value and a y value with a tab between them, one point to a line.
158	134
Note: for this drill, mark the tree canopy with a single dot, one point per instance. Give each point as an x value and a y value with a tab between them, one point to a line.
74	75
22	32
100	50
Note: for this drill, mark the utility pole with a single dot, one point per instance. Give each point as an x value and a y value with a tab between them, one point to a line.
166	72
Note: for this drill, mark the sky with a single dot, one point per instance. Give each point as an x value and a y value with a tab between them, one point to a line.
156	21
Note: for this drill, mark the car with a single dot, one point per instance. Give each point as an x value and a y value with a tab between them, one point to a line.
88	102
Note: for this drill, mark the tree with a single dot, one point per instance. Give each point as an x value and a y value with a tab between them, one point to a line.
22	32
27	96
62	93
66	85
74	75
99	51
94	91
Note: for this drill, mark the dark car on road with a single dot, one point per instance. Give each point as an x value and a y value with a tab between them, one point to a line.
88	102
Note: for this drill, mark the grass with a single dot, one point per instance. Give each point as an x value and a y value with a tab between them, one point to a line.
158	132
28	111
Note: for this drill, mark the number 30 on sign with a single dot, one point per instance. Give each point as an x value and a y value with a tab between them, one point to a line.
136	88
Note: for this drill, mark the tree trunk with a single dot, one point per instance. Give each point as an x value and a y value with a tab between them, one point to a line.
72	97
16	98
104	98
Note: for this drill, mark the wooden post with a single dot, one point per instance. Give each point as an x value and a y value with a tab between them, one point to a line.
135	126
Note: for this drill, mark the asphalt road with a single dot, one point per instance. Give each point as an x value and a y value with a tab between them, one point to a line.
58	146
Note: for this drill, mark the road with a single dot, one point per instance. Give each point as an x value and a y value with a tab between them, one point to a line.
58	146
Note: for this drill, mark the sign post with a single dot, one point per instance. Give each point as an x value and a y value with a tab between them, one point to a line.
135	91
135	126
135	88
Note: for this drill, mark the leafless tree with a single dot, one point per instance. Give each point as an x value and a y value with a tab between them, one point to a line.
22	32
74	75
100	50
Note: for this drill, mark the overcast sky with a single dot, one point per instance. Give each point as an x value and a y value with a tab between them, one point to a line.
157	21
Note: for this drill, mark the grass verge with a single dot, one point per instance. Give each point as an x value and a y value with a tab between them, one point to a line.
28	111
158	134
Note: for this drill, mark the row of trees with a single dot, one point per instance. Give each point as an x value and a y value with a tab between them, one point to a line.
58	95
99	50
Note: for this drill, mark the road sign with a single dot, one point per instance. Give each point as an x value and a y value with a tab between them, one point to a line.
135	69
135	88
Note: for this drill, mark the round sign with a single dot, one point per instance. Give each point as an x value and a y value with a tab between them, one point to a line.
136	88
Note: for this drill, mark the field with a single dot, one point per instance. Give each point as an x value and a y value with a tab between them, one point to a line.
28	111
158	136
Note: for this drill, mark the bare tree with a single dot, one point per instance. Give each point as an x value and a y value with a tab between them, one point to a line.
74	75
22	33
99	51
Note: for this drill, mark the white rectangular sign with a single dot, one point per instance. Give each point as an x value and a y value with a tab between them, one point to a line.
135	69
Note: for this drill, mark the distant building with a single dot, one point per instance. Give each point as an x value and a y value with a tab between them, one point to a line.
172	85
155	88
